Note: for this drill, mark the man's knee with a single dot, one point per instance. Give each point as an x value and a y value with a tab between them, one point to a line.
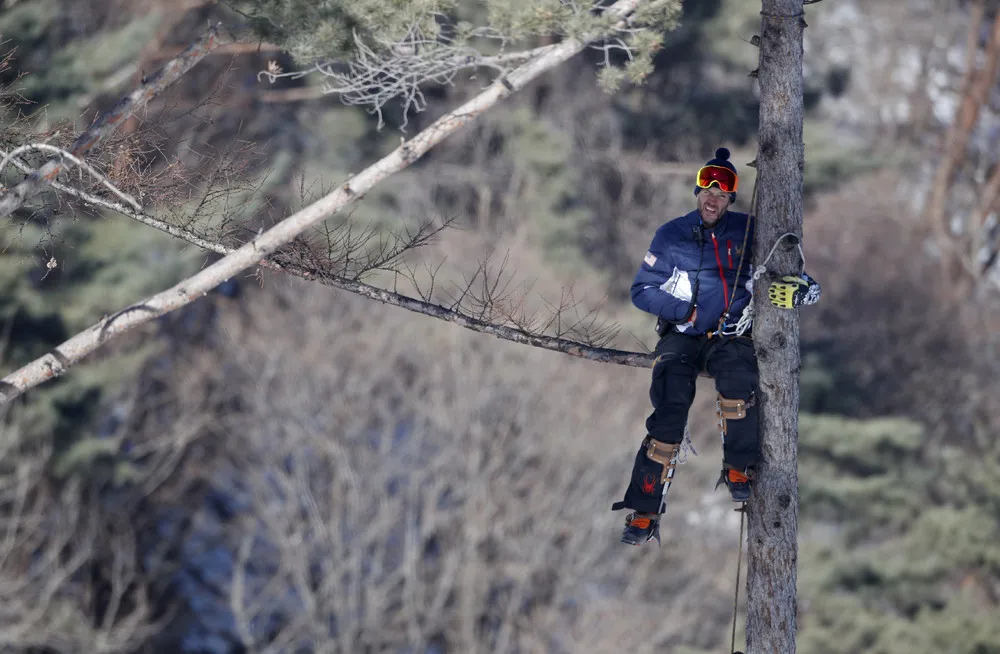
737	384
671	394
734	367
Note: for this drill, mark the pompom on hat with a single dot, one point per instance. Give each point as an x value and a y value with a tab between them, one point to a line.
722	160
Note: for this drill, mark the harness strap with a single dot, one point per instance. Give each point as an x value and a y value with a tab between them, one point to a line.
663	453
731	409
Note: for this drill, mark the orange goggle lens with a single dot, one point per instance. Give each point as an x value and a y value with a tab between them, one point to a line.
726	179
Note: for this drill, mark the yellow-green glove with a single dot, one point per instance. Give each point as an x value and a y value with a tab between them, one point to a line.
793	291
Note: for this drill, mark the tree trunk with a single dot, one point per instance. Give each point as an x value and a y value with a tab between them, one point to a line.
773	509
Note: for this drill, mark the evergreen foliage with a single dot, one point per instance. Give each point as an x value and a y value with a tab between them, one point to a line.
345	31
327	30
898	542
65	65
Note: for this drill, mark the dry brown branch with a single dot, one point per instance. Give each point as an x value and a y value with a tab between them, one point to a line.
976	88
135	101
235	48
65	355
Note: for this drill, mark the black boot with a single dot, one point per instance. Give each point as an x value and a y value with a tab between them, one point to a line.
737	482
640	528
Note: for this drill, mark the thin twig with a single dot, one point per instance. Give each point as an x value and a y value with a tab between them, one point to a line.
45	147
107	123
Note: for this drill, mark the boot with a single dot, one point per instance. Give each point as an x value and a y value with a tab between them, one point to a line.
640	528
737	482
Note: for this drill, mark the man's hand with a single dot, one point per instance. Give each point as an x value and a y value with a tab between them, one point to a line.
793	291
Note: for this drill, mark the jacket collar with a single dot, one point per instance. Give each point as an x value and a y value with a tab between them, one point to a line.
721	222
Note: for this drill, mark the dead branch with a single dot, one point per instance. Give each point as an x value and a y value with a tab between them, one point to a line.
976	88
9	157
259	249
149	88
483	312
376	76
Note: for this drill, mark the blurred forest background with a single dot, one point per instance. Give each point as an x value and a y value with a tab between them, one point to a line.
286	467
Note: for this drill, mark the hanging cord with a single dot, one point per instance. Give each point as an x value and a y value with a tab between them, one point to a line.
746	237
746	318
798	243
687	446
736	595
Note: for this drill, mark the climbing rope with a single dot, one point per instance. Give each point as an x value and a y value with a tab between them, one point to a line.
762	268
736	595
746	318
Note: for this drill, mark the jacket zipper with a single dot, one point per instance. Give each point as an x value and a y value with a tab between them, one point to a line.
722	275
729	253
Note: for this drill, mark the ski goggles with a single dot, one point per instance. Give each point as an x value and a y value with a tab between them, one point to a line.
726	179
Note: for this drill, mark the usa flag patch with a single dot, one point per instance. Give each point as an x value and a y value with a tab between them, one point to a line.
650	259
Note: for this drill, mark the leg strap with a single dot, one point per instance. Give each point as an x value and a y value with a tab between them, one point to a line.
728	410
732	409
664	454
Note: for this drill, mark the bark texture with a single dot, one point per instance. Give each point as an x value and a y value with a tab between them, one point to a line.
773	509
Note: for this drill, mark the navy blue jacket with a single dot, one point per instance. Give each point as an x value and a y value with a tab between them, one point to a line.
685	256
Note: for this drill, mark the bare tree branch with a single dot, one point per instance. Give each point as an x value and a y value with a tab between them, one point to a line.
73	350
576	339
976	89
375	76
63	154
128	105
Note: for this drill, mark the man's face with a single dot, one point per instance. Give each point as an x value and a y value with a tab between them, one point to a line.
712	203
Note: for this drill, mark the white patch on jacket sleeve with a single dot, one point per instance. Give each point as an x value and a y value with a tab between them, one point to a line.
679	285
650	259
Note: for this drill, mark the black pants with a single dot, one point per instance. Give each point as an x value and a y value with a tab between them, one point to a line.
679	359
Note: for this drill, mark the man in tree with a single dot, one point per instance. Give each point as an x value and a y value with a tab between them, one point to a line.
696	279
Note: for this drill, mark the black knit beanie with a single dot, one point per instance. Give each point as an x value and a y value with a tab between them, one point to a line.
721	159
